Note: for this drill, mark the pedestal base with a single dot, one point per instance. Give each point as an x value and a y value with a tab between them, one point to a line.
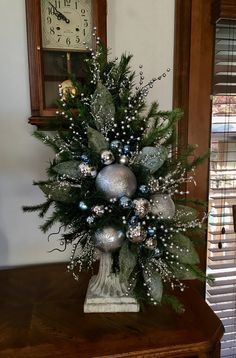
96	304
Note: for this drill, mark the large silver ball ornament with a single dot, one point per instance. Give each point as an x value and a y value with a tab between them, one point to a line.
109	238
107	157
115	181
163	206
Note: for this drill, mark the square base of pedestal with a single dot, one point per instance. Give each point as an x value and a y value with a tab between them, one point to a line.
96	304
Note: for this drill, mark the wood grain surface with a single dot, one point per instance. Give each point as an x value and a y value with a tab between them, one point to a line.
41	315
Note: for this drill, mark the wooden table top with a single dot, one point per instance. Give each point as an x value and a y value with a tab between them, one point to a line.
41	315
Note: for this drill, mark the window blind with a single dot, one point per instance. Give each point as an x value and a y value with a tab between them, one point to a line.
221	263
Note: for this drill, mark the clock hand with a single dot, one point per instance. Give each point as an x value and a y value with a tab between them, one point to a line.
58	14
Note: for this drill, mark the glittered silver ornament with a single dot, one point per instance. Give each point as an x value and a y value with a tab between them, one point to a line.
115	181
124	160
98	210
150	243
87	170
107	157
141	206
162	205
136	233
109	238
152	158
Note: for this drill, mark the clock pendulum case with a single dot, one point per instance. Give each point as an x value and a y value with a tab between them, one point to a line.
56	33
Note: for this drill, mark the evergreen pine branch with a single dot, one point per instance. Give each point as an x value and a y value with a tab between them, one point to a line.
46	139
55	217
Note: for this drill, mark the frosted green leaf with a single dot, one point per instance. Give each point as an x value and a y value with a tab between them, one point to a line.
58	191
154	282
96	140
185	214
70	169
152	158
102	108
184	249
184	272
127	261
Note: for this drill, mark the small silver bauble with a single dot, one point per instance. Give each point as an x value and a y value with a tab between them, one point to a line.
98	210
124	160
136	233
109	238
87	171
141	207
163	206
115	181
150	243
107	157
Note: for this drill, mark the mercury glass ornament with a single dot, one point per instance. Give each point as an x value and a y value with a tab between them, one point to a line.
136	233
109	238
125	202
124	160
116	145
141	206
107	157
98	210
115	181
163	206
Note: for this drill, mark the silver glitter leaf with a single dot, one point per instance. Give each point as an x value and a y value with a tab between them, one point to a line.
102	108
154	283
58	191
152	158
96	140
68	169
184	249
185	214
184	272
127	262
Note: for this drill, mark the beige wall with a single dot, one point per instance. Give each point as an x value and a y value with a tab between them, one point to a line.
144	28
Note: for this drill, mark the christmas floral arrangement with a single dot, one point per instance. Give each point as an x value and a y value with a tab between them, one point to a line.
115	182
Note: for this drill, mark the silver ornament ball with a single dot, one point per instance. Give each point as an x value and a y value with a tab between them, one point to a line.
109	238
141	207
136	233
124	160
115	181
163	206
107	157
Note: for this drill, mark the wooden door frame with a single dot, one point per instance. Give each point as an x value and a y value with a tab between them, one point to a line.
193	68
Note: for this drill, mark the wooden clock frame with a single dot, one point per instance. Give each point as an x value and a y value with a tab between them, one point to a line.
40	115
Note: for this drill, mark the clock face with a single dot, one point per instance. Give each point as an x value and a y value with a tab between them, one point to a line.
66	24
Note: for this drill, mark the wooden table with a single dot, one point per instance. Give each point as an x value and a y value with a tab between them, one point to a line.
41	315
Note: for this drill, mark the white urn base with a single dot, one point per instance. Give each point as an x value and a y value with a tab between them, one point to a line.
96	304
106	293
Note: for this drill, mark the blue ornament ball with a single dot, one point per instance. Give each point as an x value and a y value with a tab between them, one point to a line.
85	158
143	189
116	145
125	202
83	206
134	220
151	231
126	149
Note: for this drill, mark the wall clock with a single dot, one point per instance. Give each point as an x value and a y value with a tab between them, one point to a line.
56	32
